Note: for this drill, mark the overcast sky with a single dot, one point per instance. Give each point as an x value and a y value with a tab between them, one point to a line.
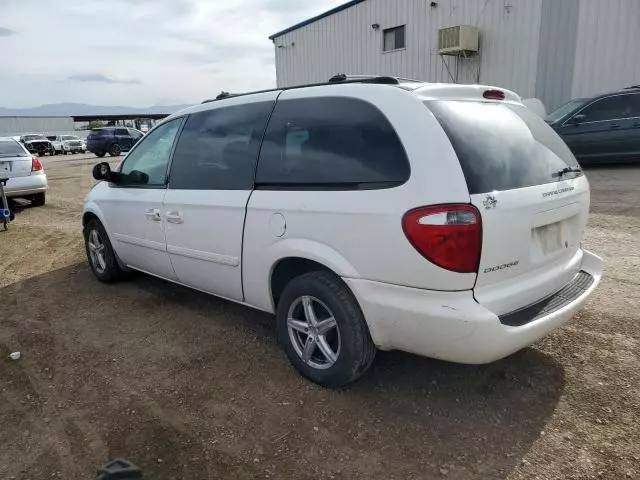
140	52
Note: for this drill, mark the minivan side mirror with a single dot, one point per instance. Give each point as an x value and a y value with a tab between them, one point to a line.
102	171
578	119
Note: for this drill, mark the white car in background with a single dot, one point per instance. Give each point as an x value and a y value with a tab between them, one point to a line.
32	185
67	144
366	213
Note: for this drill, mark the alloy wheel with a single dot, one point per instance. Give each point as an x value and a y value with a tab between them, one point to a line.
313	332
97	249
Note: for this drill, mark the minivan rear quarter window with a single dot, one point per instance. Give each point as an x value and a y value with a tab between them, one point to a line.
330	143
502	146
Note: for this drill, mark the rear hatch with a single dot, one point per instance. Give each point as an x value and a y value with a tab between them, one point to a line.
15	161
532	196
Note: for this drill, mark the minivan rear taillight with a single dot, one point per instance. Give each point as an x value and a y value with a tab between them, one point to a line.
36	164
448	235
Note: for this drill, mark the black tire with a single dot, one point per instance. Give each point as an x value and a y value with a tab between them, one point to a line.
115	150
357	350
112	271
100	154
64	152
38	200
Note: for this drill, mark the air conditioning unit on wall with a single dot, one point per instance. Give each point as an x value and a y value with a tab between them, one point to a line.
458	40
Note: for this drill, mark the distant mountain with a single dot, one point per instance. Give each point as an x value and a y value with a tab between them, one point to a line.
70	109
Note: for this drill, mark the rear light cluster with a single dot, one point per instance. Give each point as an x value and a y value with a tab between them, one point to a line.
36	164
449	236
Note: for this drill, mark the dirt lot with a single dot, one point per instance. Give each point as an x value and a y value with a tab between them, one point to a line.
192	387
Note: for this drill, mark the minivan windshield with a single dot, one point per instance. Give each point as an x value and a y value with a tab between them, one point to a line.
503	146
565	109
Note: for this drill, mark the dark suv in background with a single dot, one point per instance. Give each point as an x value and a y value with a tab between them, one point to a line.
601	129
112	140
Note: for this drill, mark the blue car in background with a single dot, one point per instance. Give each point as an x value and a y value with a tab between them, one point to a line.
112	140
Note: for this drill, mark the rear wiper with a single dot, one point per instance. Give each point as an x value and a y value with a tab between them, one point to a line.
566	170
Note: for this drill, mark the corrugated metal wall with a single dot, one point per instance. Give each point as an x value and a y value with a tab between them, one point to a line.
10	126
608	46
554	50
346	42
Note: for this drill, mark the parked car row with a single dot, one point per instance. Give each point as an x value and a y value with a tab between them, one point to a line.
39	144
100	141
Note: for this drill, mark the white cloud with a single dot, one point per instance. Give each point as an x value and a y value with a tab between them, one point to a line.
140	52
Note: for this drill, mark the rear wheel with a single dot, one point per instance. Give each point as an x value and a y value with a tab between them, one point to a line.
100	253
100	154
323	330
115	150
38	200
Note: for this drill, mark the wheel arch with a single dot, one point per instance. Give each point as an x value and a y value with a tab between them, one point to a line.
295	257
288	268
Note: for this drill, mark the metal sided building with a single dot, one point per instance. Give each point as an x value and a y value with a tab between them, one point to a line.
19	125
553	50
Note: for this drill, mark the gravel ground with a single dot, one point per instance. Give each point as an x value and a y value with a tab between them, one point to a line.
192	387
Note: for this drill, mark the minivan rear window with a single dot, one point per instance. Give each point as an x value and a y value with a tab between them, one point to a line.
502	146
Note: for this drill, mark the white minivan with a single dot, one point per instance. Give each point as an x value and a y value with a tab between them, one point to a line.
366	213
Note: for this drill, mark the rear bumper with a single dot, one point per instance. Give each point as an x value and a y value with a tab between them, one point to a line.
452	325
23	186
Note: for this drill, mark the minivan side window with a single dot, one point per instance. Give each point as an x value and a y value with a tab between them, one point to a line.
610	108
151	156
328	143
121	131
218	149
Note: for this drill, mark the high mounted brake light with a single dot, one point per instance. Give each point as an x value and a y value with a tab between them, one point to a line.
494	95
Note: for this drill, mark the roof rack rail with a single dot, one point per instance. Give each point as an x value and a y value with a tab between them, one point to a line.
632	86
343	77
338	79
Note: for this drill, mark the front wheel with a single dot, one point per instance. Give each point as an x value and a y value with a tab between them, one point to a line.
100	253
323	330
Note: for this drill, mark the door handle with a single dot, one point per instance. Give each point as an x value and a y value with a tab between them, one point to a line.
174	217
153	214
615	125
